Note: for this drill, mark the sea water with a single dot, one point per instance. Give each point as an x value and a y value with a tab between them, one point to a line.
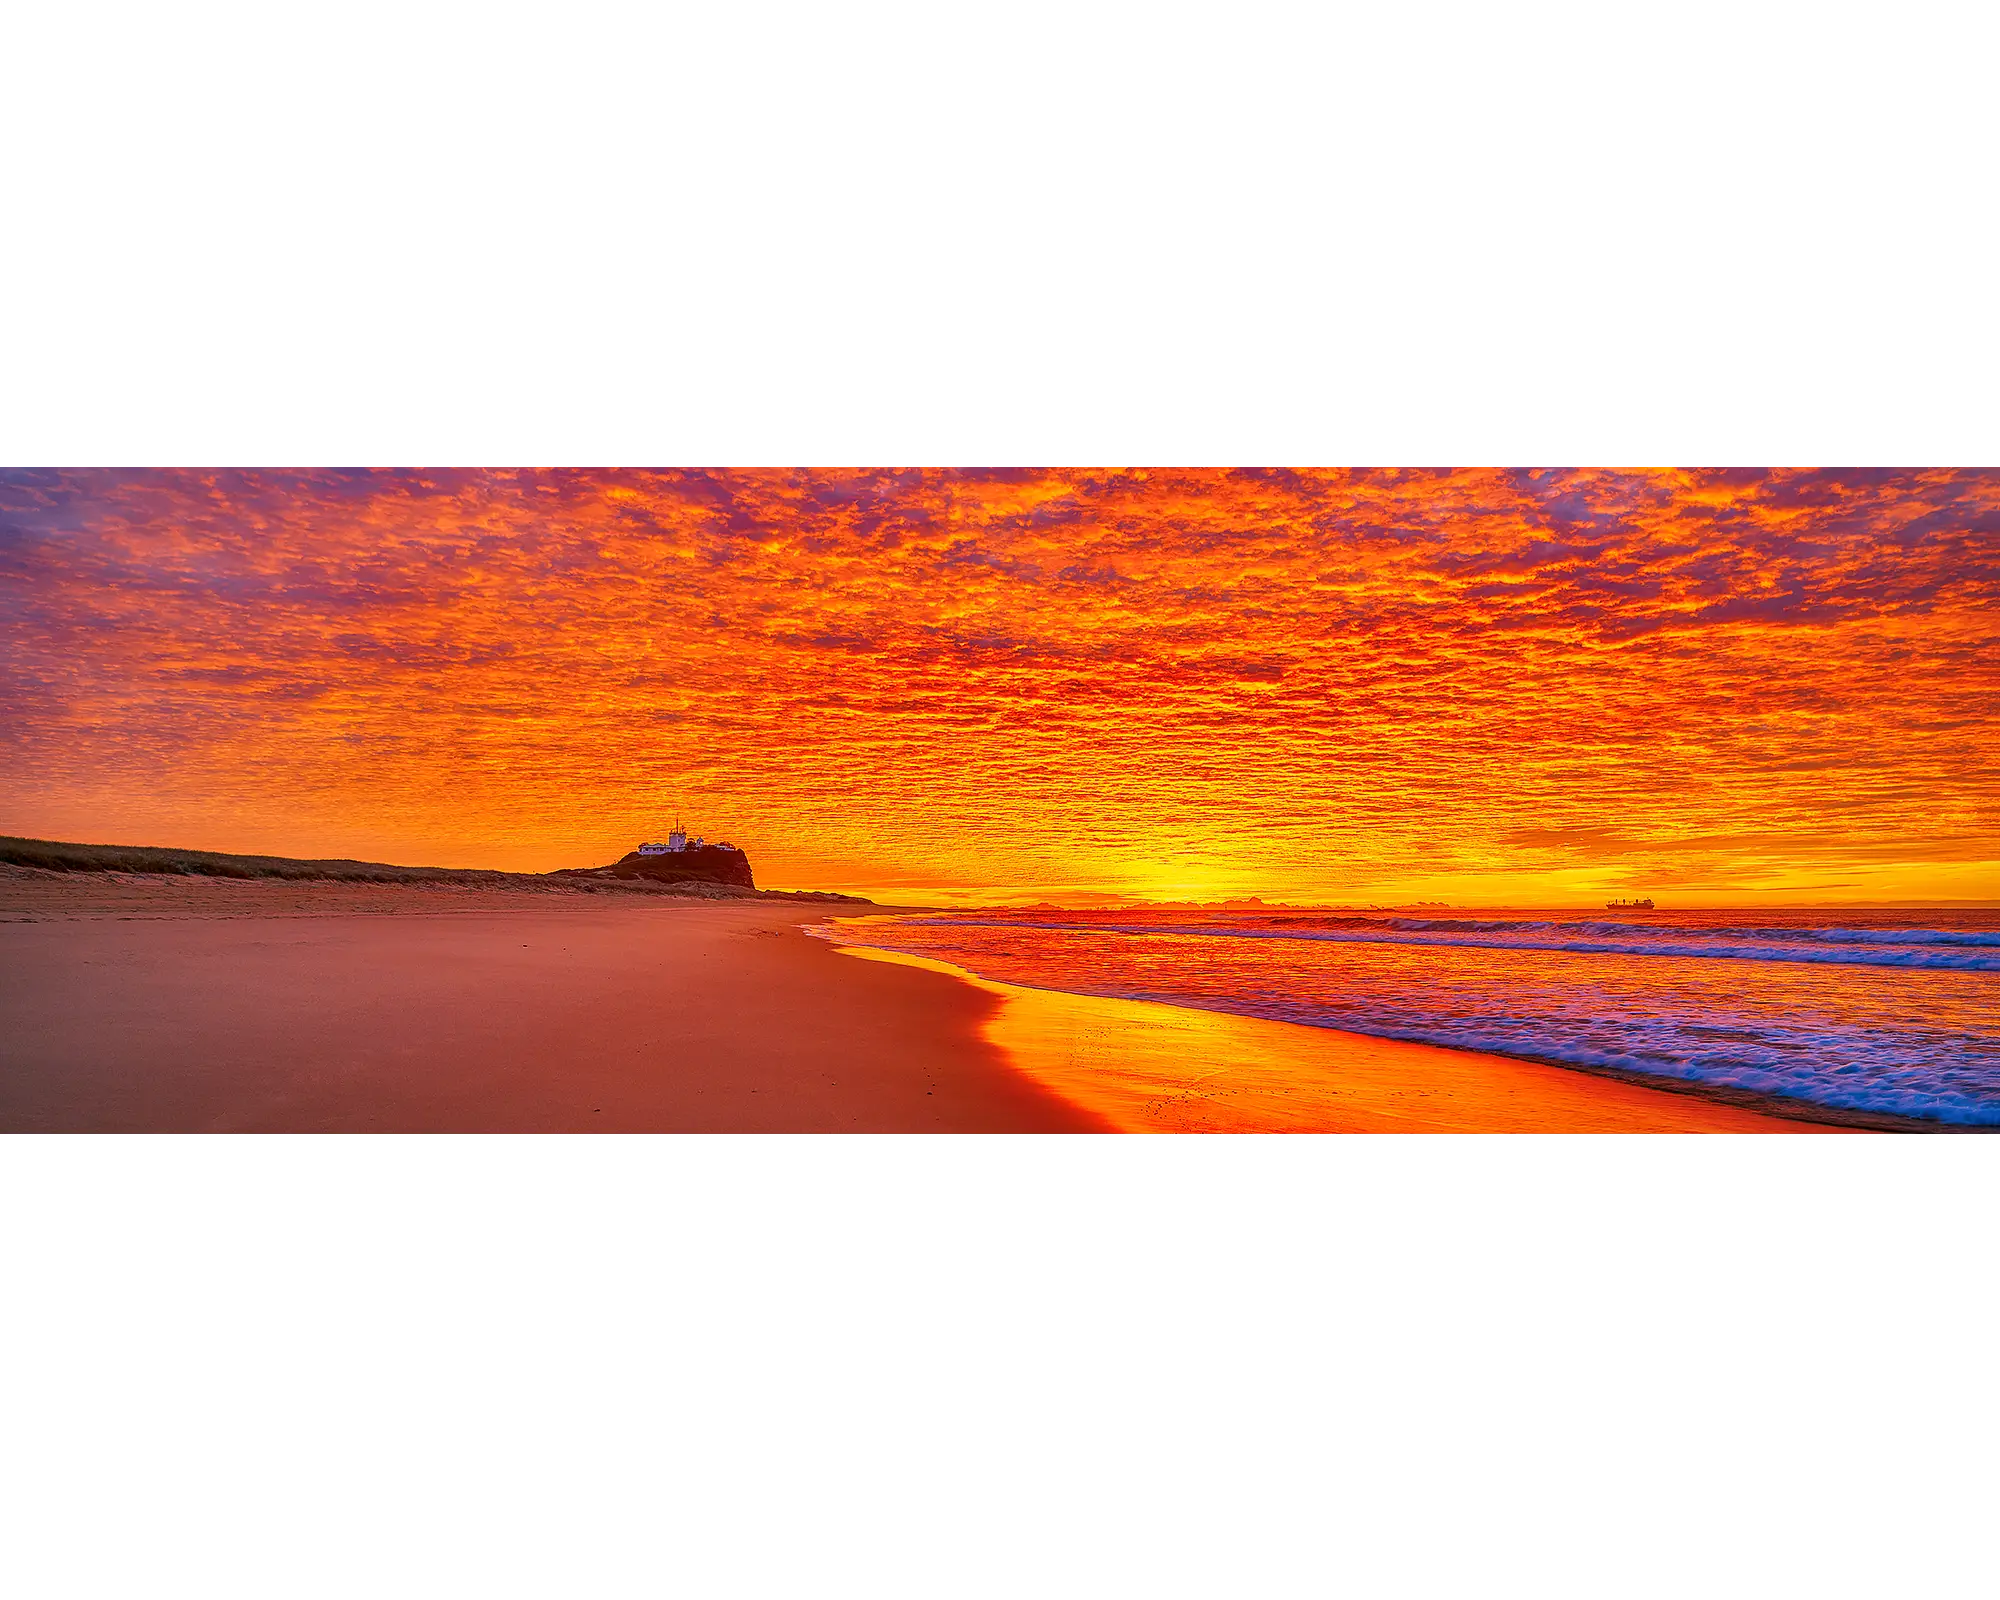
1880	1011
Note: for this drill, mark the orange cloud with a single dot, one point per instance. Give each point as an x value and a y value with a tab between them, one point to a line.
1172	683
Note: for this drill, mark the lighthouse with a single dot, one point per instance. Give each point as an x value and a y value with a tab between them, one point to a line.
677	841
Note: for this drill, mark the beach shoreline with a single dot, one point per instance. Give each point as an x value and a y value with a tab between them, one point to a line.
189	1005
1014	964
1149	1067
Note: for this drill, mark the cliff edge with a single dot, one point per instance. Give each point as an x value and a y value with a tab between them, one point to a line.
707	863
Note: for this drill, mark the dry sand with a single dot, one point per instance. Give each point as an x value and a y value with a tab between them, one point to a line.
670	1016
147	1004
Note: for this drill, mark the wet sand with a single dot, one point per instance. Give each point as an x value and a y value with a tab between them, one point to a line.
1149	1068
145	1004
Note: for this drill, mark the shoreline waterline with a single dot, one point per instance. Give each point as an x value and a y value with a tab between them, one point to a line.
1146	1066
1737	1008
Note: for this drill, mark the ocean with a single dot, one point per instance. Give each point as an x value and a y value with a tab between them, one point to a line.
1880	1011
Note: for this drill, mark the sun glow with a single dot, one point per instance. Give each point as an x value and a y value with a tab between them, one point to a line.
1473	687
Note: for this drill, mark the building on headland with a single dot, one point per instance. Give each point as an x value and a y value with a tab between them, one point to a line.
677	841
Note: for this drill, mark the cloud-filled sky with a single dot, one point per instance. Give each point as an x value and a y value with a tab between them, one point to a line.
1483	687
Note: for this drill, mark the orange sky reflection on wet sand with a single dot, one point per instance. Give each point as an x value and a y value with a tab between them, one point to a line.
1479	687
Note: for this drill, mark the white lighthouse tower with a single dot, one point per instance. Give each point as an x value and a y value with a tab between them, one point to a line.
677	841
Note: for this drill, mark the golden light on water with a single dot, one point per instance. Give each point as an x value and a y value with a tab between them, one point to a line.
1147	1068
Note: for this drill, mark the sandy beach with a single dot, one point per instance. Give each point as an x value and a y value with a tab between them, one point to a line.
198	1006
136	1004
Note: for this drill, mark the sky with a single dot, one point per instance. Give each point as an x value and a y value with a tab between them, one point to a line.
1348	687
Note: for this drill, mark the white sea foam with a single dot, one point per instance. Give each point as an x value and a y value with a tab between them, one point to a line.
1873	947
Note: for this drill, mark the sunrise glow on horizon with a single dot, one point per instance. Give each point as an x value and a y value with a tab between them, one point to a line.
1343	687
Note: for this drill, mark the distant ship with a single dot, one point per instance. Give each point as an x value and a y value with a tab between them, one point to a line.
1628	905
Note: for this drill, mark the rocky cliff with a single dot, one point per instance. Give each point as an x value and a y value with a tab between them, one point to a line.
710	864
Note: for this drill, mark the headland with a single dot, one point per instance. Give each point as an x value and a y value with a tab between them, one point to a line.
702	871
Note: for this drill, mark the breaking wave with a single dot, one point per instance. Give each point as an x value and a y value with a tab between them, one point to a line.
1848	947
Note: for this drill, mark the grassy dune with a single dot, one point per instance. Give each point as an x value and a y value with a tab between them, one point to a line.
52	856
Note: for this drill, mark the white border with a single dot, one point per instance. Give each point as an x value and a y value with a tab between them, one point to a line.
997	1366
1076	234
